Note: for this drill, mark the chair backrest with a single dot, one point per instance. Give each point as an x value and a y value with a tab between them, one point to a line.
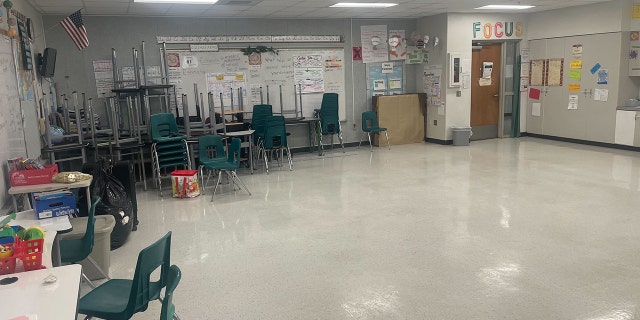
369	120
260	112
168	309
329	120
275	132
234	152
208	142
163	125
143	290
76	250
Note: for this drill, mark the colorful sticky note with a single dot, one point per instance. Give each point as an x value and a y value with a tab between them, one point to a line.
575	64
574	87
575	75
595	68
534	93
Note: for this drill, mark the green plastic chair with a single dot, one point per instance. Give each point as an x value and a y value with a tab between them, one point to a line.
370	125
260	112
76	250
119	299
169	148
230	166
205	145
329	119
168	310
275	139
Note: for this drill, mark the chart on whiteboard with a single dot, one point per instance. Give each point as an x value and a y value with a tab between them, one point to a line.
229	85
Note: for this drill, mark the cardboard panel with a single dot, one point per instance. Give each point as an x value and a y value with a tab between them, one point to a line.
403	117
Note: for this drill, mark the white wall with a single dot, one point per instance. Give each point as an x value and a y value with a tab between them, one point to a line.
459	37
434	26
29	108
588	19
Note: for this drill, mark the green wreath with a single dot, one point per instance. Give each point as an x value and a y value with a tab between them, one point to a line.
259	49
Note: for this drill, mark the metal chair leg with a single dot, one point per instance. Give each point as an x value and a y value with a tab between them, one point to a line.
239	182
387	135
84	276
340	138
217	184
290	160
266	161
95	264
359	143
370	145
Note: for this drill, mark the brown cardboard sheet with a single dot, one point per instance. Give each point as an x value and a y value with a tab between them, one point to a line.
402	116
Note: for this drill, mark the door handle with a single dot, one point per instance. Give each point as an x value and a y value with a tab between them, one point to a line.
495	95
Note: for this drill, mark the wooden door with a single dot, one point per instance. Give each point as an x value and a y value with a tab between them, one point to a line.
485	91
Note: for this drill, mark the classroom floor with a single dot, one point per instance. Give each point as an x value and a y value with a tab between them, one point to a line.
503	229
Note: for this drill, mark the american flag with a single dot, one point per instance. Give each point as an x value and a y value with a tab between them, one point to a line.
75	28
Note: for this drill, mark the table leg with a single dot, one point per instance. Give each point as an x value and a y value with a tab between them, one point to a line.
251	152
55	251
319	138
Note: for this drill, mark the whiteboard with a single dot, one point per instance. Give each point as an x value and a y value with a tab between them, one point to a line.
11	128
318	70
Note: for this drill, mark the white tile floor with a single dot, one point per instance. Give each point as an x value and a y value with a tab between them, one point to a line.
502	229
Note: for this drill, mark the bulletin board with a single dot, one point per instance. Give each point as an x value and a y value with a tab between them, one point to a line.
12	142
316	70
385	84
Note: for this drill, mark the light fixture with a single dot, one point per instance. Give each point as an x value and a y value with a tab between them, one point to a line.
505	7
362	5
179	1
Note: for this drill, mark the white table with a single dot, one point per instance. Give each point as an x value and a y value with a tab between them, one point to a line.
52	226
34	299
13	191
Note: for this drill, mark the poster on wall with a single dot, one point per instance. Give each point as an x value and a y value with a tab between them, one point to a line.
432	86
416	55
103	72
309	73
537	73
374	43
603	76
397	45
227	84
555	72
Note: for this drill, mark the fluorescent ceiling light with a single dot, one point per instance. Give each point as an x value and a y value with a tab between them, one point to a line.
179	1
505	7
362	5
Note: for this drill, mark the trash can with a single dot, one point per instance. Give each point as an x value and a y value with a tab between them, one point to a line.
461	136
101	252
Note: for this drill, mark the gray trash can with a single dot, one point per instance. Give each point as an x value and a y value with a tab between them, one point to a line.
461	136
101	252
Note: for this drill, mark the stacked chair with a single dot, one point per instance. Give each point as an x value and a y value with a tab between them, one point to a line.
260	113
275	139
329	119
210	152
169	148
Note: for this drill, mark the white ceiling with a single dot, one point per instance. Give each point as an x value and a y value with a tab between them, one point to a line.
286	9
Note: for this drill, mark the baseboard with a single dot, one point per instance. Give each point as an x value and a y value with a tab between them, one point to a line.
326	147
523	134
438	141
585	142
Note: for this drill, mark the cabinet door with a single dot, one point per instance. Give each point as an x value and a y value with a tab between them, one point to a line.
625	127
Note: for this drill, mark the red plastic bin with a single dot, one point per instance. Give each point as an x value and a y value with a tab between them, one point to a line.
28	252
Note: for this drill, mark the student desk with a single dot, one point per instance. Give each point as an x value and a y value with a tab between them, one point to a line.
32	298
313	129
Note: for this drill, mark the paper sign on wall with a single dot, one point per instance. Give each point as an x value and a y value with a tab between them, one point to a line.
575	64
576	51
603	76
601	95
573	102
534	93
379	84
535	109
574	87
575	75
387	67
487	68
